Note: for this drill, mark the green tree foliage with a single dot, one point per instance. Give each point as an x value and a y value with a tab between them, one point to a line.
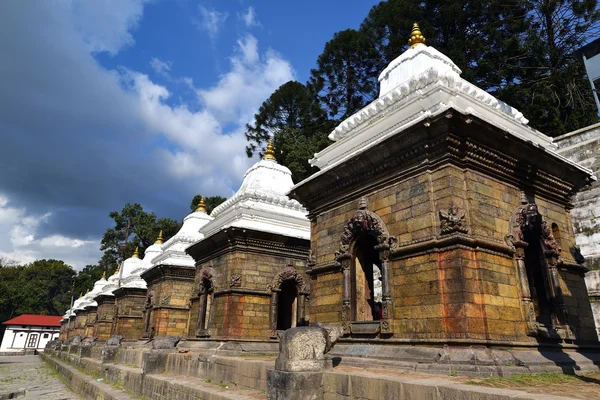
345	79
299	126
210	202
551	89
521	51
42	287
133	228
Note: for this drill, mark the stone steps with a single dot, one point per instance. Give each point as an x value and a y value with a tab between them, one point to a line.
148	386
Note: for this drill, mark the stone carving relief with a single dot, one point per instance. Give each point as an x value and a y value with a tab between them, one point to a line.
364	222
451	220
149	305
288	272
311	261
529	229
235	280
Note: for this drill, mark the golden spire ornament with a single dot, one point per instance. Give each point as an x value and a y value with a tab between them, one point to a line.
80	294
136	253
201	206
159	239
270	152
416	37
87	292
103	276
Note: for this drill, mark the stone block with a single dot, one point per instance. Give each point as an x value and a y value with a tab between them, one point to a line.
284	385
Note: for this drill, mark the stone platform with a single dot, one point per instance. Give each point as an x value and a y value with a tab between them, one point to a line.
239	370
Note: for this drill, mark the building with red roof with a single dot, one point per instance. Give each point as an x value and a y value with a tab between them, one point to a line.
30	332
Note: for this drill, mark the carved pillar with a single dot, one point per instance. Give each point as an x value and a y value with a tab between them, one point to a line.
525	291
300	314
347	296
387	303
203	302
273	315
556	291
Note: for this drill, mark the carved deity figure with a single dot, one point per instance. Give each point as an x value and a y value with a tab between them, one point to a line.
148	315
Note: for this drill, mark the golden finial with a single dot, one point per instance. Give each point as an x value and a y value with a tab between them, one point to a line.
87	292
159	239
201	206
136	253
416	37
80	294
103	276
270	152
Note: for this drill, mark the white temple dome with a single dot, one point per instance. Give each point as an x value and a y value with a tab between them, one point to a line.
261	203
173	250
132	264
154	250
420	84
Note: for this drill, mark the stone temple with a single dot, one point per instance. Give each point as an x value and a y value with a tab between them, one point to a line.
436	236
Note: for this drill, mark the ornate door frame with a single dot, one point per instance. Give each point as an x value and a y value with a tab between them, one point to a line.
365	222
525	220
288	273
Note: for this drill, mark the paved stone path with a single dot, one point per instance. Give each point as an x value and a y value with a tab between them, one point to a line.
32	374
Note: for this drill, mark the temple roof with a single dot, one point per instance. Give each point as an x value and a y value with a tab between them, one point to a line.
420	84
261	203
173	250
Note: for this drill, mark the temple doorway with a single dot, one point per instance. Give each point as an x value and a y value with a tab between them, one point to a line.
535	264
366	280
287	305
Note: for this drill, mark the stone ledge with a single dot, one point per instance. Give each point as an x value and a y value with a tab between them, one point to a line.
83	384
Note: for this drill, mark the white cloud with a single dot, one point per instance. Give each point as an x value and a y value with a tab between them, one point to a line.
20	240
62	241
252	78
95	148
249	17
160	67
211	20
106	25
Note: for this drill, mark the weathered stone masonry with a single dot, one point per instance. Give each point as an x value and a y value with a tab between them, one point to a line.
447	278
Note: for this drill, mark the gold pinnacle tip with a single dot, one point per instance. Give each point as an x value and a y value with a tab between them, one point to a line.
136	253
159	239
416	37
270	152
201	205
103	276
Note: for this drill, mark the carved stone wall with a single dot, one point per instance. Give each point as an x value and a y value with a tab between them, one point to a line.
244	267
105	316
446	202
129	320
172	287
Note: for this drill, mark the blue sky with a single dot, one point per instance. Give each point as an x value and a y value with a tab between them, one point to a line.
115	101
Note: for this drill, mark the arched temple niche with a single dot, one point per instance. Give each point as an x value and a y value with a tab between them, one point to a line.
537	256
288	298
364	253
205	301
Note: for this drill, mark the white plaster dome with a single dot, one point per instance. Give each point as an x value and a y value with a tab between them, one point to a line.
261	203
154	250
173	250
132	264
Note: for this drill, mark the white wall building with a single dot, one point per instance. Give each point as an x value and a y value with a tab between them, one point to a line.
30	332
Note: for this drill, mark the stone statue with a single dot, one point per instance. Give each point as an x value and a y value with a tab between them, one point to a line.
304	348
148	315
